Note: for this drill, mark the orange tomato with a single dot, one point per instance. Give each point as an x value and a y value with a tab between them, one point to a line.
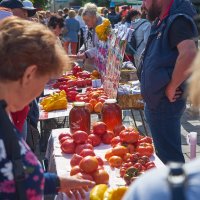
101	176
89	164
126	157
93	102
109	154
119	151
115	161
98	107
95	73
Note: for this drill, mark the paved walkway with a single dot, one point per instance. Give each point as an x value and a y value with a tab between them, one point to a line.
190	122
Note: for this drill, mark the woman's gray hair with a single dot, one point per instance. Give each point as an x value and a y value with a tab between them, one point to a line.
80	11
90	9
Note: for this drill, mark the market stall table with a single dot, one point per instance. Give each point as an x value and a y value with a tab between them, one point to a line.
60	163
52	120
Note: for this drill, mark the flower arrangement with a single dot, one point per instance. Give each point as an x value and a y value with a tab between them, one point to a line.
103	30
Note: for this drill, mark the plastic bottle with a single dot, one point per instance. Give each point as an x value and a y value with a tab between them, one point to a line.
79	118
192	141
111	114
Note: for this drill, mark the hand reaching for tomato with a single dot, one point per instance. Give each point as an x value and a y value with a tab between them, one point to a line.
73	186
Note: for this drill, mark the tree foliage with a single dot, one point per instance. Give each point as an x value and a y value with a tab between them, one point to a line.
39	3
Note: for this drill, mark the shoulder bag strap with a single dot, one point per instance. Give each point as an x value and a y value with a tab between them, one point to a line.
129	45
143	38
13	151
177	181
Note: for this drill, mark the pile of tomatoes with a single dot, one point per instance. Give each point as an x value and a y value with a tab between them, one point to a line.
134	165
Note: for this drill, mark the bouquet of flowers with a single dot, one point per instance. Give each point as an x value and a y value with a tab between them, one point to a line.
103	30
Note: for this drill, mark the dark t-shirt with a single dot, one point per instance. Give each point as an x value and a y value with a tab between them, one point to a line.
181	29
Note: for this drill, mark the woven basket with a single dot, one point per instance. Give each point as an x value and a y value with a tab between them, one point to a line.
131	101
128	75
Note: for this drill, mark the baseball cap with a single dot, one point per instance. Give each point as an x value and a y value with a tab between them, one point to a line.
27	5
11	4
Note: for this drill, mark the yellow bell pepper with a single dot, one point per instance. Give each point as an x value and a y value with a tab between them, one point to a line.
56	101
98	191
46	100
59	104
115	193
62	93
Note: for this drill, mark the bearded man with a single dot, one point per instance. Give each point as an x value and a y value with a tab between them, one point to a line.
169	53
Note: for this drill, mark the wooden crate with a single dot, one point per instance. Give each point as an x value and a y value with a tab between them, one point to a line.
133	101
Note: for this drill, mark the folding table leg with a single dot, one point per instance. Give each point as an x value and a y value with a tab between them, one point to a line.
132	113
143	122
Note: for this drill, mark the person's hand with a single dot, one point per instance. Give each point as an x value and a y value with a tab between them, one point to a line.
173	93
81	56
76	187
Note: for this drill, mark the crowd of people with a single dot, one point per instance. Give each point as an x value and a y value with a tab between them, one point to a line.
34	47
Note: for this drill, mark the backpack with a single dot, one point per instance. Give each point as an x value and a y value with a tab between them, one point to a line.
132	46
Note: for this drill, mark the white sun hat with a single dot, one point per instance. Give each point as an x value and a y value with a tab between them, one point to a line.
28	5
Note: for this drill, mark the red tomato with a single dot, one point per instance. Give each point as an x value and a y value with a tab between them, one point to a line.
96	140
100	161
127	165
87	152
80	147
64	135
131	148
107	137
145	158
80	83
88	81
134	158
145	149
76	159
80	137
129	135
68	146
116	140
99	128
71	83
149	163
138	166
71	95
76	69
118	129
145	140
75	170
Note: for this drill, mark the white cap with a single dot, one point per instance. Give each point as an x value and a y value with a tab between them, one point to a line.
110	101
28	5
79	103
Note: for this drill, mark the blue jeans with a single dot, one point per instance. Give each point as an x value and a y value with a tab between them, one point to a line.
165	127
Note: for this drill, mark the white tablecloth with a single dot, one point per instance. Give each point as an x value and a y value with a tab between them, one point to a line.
60	163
